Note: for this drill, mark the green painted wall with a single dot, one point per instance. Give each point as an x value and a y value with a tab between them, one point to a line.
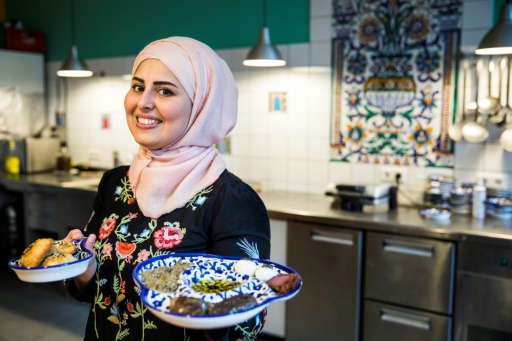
496	7
113	28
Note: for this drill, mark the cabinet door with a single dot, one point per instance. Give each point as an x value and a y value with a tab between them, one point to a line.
75	209
328	259
275	320
384	322
41	210
413	272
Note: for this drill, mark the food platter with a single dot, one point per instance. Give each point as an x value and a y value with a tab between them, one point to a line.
53	273
209	267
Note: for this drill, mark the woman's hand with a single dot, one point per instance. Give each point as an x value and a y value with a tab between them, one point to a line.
82	280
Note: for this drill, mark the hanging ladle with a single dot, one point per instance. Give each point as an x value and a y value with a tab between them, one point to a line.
501	116
489	105
506	135
474	131
455	130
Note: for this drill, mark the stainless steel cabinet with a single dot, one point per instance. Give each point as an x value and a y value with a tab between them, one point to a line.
51	212
483	309
409	285
329	261
413	272
392	323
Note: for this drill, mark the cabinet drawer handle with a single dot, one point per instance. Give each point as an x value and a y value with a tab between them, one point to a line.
341	239
406	319
409	248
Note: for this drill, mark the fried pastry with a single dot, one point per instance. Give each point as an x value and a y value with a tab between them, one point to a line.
34	254
58	258
60	246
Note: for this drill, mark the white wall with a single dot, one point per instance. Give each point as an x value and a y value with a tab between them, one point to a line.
284	151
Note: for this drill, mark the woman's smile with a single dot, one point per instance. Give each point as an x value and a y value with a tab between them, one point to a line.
147	121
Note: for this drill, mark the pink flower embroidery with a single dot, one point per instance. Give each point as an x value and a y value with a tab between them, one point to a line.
168	237
107	250
142	255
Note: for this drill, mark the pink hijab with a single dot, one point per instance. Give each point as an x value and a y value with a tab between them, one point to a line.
165	179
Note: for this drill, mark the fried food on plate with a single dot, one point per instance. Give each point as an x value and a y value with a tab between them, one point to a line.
36	252
58	258
46	252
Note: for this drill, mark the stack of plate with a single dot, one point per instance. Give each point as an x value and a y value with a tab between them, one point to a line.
499	207
439	189
499	193
461	200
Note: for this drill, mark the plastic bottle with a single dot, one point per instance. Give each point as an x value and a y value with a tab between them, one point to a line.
479	195
12	161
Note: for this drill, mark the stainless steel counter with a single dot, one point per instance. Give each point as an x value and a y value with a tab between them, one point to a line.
316	208
85	181
405	220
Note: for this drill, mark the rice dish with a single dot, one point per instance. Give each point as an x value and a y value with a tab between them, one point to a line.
165	278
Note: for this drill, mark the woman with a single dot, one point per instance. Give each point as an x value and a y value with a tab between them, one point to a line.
175	197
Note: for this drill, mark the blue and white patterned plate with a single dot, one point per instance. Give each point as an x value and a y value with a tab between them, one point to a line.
53	273
208	267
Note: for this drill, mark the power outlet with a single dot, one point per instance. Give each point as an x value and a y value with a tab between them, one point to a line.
94	155
390	174
494	180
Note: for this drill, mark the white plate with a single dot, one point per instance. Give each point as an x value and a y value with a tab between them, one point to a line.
53	273
157	302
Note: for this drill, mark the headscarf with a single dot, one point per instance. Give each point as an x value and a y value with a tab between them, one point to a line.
165	179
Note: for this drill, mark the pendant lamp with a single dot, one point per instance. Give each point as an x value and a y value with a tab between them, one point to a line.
498	40
264	53
74	66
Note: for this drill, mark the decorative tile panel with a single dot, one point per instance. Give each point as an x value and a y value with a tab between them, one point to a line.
394	74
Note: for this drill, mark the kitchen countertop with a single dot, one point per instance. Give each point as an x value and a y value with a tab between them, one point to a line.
316	208
85	181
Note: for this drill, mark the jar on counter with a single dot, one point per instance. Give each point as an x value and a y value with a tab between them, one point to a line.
63	159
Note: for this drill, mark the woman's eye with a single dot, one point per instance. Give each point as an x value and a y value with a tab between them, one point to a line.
165	92
137	88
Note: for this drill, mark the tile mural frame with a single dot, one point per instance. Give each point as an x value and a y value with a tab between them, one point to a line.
394	79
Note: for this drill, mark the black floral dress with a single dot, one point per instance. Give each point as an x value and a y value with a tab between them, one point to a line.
226	218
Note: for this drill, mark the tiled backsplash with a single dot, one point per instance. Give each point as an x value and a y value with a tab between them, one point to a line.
281	150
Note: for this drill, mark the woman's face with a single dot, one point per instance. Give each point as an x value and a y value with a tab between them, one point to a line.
157	107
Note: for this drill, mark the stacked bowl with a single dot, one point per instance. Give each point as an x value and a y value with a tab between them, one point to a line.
461	200
499	207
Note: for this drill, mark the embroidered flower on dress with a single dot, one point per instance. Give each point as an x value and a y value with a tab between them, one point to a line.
142	256
125	249
168	236
106	250
108	226
145	232
124	229
200	200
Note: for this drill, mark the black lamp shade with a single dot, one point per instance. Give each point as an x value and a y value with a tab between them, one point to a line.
498	40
